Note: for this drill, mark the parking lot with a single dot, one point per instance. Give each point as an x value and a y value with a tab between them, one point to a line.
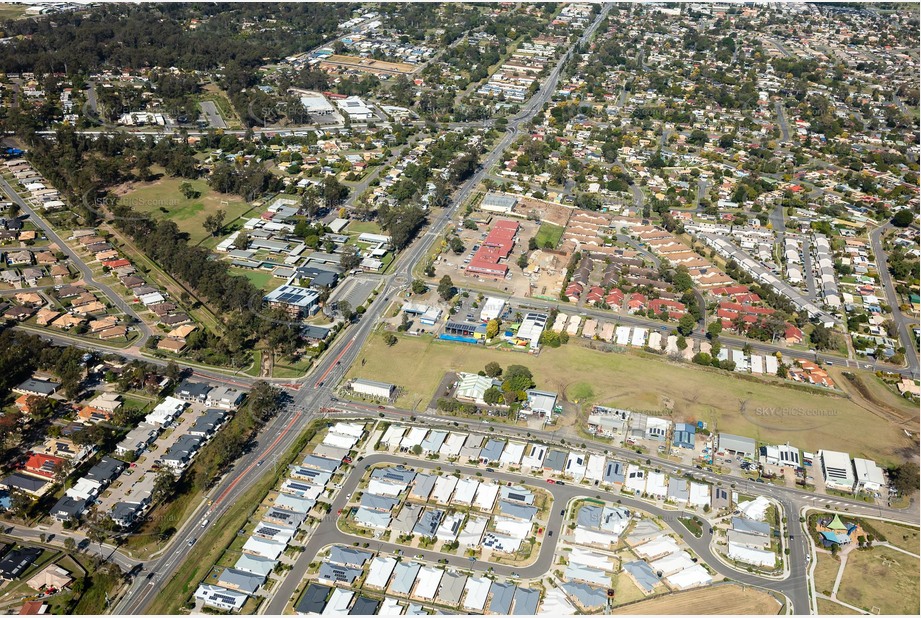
136	482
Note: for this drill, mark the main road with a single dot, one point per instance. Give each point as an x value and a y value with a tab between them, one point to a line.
902	322
313	392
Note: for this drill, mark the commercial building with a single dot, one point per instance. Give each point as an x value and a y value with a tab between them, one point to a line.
372	388
729	444
294	300
837	470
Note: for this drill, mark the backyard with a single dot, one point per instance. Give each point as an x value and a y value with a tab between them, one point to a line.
639	381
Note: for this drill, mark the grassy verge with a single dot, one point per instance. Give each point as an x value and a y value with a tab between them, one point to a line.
692	524
208	550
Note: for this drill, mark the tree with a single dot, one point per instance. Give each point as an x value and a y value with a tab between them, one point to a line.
189	192
518	378
345	310
686	325
492	396
390	339
446	288
493	369
820	337
904	478
164	485
903	218
70	544
714	329
492	329
351	258
214	223
523	261
418	286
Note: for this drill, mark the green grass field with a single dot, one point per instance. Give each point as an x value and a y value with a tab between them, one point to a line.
363	227
262	279
549	233
163	194
762	409
881	578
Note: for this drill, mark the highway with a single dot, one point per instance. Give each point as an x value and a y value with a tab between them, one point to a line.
85	271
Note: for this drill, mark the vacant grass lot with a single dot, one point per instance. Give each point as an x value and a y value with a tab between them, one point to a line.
902	537
826	570
712	600
881	578
549	233
830	608
163	195
362	227
762	409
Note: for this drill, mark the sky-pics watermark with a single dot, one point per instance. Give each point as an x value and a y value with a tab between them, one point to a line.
105	206
786	418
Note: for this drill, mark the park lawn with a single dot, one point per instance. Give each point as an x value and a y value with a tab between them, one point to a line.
826	570
163	194
903	537
881	578
830	608
262	279
640	381
363	227
712	600
548	233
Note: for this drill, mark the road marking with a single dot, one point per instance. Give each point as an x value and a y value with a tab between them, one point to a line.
333	365
254	464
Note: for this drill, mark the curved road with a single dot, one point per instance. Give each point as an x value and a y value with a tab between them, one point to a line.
327	532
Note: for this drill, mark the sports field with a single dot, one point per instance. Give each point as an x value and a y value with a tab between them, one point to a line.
882	581
162	199
713	600
761	409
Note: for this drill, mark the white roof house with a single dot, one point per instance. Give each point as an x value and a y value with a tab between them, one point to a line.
673	563
657	484
635	479
393	436
338	603
339	440
576	465
588	536
165	411
475	593
515	528
443	489
595	469
699	494
380	571
749	555
512	454
656	548
492	308
689	578
534	456
427	583
465	491
486	496
591	558
472	532
452	445
414	438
